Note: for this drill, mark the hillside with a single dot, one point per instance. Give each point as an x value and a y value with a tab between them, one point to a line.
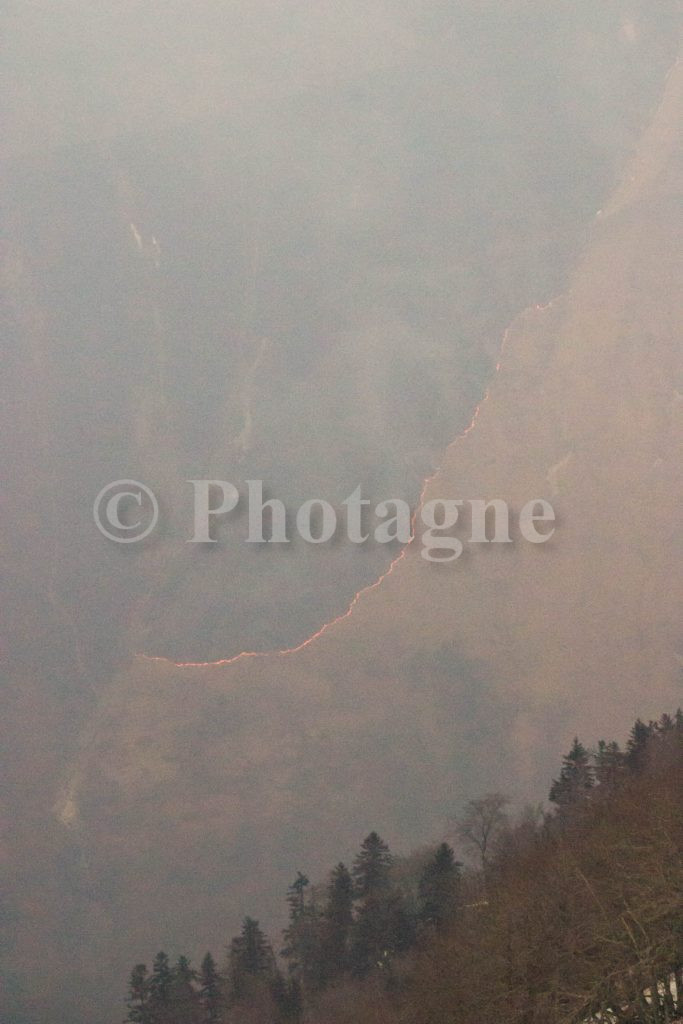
572	916
167	321
239	770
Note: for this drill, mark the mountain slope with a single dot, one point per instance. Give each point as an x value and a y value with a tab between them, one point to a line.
198	791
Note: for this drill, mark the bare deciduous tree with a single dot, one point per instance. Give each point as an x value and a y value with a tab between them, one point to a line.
480	824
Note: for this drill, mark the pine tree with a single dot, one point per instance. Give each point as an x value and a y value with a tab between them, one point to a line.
636	748
338	921
296	896
381	929
288	999
576	777
609	763
183	974
372	866
184	998
438	887
250	956
160	985
210	996
138	996
303	946
382	926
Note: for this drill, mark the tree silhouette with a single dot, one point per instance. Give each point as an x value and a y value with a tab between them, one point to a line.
576	777
371	867
439	885
210	991
139	1011
481	823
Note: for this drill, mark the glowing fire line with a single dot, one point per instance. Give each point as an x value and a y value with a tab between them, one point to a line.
283	652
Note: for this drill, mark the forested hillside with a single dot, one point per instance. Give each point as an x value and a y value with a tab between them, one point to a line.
555	917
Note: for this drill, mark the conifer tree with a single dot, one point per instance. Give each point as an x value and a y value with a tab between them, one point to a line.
303	946
609	763
184	999
138	996
183	974
636	748
382	926
288	999
338	921
372	866
250	956
438	887
210	995
296	896
160	985
576	777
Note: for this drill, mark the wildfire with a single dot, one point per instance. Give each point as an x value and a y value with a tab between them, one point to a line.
283	652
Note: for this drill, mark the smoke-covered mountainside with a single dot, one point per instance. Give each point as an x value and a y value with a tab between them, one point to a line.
443	257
